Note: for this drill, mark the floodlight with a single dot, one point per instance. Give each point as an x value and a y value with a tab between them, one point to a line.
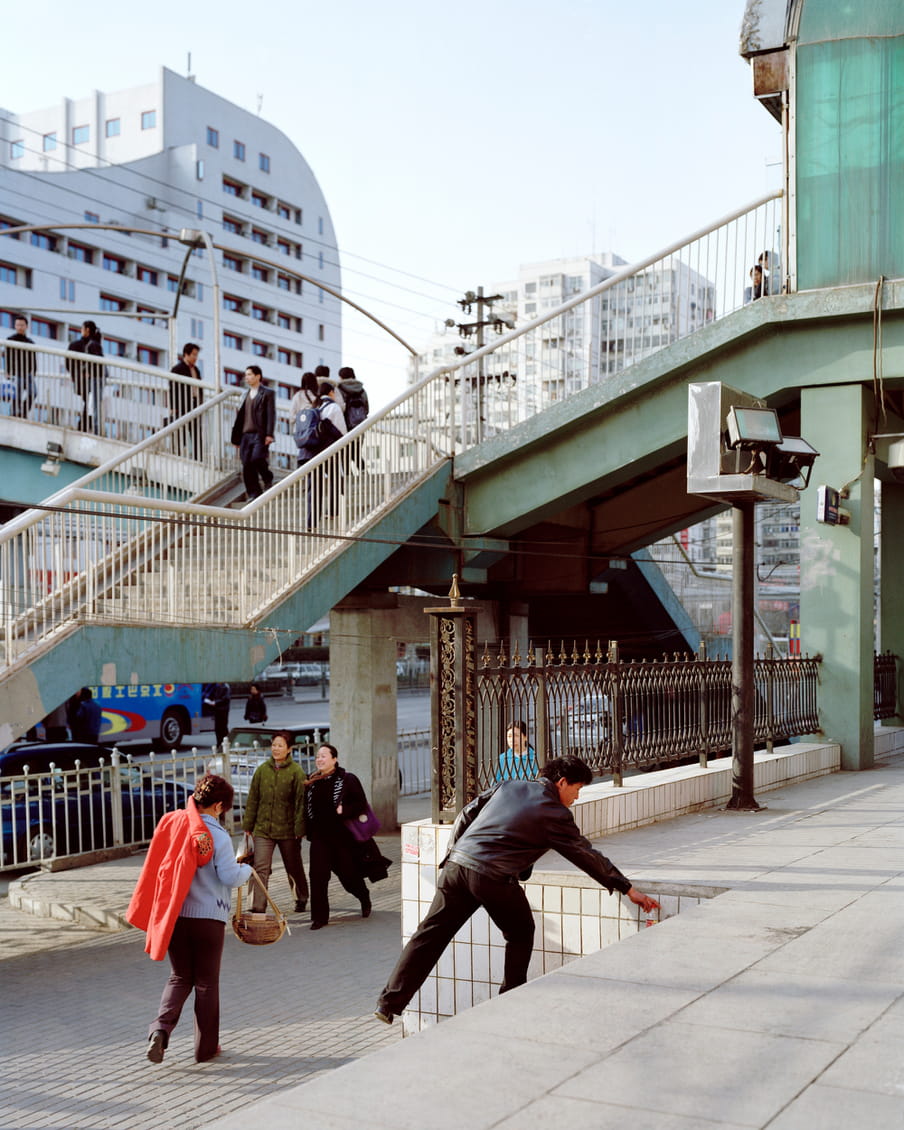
753	427
791	461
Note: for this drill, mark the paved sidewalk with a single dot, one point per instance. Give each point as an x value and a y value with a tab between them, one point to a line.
76	1004
778	1004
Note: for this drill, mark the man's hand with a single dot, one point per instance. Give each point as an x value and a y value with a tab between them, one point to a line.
646	902
268	440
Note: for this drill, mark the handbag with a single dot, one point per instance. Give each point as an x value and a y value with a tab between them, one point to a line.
365	826
258	929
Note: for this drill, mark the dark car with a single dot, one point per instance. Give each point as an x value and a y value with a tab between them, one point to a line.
65	798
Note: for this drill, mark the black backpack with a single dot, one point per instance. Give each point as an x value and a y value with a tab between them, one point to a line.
357	408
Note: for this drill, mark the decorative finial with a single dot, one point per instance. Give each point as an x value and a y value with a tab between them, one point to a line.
454	593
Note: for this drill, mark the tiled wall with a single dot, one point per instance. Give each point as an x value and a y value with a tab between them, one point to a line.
574	916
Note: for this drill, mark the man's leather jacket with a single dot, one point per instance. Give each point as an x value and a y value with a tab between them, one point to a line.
505	830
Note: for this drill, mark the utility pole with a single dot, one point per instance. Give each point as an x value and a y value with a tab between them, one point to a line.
485	318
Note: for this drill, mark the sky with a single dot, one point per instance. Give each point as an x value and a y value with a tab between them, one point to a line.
452	141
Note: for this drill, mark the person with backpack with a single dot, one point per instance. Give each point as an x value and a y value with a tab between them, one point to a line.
354	394
316	427
306	397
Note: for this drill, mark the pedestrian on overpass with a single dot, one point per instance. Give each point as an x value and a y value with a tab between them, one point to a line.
496	840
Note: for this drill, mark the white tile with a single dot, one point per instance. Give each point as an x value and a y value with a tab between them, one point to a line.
461	953
463	995
552	932
427	1000
480	963
534	894
445	967
497	964
409	880
552	898
445	996
571	933
590	900
590	933
571	900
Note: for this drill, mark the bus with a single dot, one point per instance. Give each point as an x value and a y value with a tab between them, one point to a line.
162	713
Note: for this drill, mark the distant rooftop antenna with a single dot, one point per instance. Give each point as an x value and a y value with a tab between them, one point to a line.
260	102
189	75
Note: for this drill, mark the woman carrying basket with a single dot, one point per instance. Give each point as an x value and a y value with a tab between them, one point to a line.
182	900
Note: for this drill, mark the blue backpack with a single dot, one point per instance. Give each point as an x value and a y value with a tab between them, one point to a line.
307	430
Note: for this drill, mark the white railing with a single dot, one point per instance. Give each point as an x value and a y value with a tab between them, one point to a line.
142	558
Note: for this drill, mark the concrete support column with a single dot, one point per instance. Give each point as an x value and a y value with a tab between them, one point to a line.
363	702
836	575
891	573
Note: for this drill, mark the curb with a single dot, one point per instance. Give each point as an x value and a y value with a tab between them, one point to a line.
93	917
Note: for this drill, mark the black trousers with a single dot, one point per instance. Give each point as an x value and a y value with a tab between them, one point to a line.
255	457
195	950
459	892
334	856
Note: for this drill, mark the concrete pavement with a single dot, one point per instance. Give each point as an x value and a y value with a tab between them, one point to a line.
779	1003
76	1003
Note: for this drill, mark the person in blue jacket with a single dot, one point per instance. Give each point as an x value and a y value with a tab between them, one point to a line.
519	762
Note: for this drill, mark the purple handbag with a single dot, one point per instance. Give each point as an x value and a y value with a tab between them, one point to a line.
365	826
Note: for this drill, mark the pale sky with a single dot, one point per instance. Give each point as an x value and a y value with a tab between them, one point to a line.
452	141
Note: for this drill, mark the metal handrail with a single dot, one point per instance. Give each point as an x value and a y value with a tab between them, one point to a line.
215	575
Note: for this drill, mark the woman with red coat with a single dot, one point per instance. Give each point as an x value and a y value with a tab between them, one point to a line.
183	899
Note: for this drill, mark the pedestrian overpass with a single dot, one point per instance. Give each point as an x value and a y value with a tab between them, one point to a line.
537	493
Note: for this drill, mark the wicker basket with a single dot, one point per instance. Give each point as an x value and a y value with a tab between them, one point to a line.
258	929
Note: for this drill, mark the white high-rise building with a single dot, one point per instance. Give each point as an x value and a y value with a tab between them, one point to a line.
167	156
585	344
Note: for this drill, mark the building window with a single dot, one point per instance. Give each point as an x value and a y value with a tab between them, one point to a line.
213	137
199	170
232	341
149	119
298	215
81	135
148	356
285	248
16	150
198	292
259	236
283	282
49	143
260	313
172	284
283	321
92	218
114	263
231	303
67	290
283	211
8	273
260	349
147	310
42	328
233	376
320	260
197	328
232	187
114	347
112	127
284	357
109	302
259	200
260	273
320	225
80	253
321	333
146	275
231	263
320	294
231	225
238	150
199	208
44	241
263	163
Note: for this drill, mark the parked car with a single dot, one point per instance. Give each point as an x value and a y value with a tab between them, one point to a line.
586	725
56	799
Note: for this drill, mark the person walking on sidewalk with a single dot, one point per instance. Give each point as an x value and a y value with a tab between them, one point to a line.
256	706
182	900
496	840
333	796
274	817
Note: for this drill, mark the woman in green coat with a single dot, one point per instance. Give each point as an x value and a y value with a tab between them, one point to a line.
274	817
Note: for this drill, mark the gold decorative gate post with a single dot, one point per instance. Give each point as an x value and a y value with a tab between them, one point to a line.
453	706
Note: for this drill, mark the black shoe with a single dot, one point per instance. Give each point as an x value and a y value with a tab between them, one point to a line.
156	1046
301	905
381	1013
366	908
317	925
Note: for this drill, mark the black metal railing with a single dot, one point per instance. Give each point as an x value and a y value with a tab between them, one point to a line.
885	685
618	715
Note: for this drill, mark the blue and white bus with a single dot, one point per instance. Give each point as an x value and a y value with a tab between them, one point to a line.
162	713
